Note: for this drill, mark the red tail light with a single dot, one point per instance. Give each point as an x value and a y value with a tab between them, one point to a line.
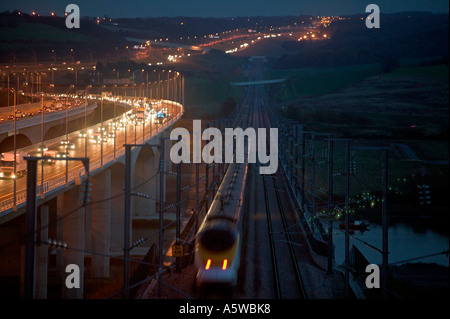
225	262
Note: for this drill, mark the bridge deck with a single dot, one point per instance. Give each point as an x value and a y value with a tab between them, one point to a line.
100	155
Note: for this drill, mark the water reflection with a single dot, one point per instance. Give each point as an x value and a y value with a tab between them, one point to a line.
406	241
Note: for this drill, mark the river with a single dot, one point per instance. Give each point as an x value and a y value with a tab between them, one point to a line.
407	240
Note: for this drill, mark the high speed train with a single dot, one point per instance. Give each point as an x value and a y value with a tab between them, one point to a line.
218	241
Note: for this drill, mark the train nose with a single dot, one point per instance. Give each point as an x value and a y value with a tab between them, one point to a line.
217	239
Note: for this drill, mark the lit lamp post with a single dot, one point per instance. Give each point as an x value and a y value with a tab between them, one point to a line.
85	120
67	133
42	145
53	83
8	88
125	122
101	126
143	115
31	87
150	107
172	97
15	154
134	111
115	120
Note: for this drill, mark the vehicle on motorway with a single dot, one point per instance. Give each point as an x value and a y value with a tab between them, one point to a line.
63	154
42	148
67	144
82	134
7	165
116	125
48	153
160	118
97	137
98	131
140	115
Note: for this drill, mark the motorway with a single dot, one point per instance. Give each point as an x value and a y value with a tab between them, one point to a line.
33	109
99	154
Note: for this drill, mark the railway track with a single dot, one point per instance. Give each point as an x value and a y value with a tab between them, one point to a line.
288	281
271	258
287	278
269	266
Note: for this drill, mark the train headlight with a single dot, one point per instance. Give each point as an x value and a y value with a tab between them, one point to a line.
208	264
225	262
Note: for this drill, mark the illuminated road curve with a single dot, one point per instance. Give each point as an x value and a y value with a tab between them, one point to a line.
100	155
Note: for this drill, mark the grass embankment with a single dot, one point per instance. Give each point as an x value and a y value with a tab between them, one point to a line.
320	81
432	72
206	98
408	103
407	106
40	32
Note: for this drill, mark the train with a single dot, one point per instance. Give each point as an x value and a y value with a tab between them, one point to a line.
219	239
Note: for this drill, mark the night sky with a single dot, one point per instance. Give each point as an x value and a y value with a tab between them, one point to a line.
221	8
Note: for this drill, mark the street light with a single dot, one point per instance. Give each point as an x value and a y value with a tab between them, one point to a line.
42	144
85	119
67	133
15	153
